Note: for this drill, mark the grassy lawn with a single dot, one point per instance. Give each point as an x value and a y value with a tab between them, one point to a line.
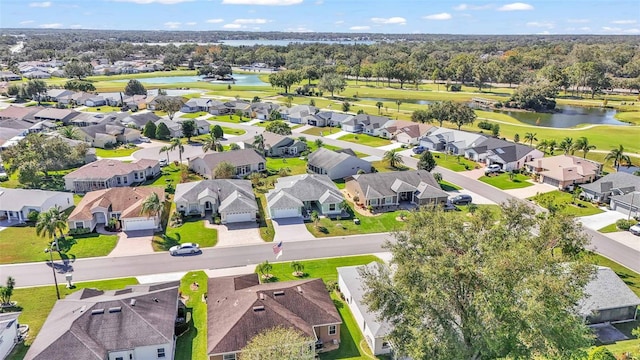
267	232
610	228
311	145
453	162
229	118
321	131
384	222
21	244
365	139
383	166
232	131
172	174
503	182
629	116
193	343
565	200
36	303
194	115
113	153
102	109
321	268
447	186
192	230
296	165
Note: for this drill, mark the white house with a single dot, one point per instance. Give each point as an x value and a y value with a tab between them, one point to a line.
107	173
449	140
299	195
232	199
16	204
337	165
246	161
510	156
9	333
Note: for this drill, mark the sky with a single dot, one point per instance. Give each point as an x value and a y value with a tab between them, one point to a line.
348	16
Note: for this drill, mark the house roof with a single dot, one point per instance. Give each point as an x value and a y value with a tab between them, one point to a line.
108	168
327	159
200	102
139	315
272	139
18	112
618	180
377	185
505	150
235	157
352	280
606	291
628	198
238	308
299	110
7	322
368	121
305	187
232	194
125	200
17	199
55	114
565	167
140	120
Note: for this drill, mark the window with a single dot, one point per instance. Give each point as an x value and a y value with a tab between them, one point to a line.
332	207
119	358
229	356
385	345
161	353
79	224
332	329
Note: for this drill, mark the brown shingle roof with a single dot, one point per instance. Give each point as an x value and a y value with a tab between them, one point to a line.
128	201
232	320
17	112
108	168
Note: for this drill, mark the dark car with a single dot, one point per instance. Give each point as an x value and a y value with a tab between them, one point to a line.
462	199
419	149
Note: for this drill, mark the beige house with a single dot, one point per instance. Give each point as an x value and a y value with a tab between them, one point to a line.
123	204
239	307
564	171
246	162
406	132
108	173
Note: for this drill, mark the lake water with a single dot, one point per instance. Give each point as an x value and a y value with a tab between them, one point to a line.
567	116
240	79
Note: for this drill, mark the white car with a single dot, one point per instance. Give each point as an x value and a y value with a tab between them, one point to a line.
493	168
635	229
163	162
184	249
145	139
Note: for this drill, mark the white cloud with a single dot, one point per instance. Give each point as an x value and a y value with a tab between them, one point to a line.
51	26
578	21
191	23
540	24
632	31
611	29
26	22
215	21
298	29
262	2
624	22
319	2
585	28
339	22
249	21
359	28
232	26
392	20
172	24
441	16
44	4
463	7
76	26
518	6
146	2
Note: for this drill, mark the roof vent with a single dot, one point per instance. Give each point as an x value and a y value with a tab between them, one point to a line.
278	293
258	308
299	289
115	309
97	311
261	296
132	302
156	300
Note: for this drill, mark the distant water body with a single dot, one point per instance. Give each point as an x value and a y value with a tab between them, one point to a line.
267	42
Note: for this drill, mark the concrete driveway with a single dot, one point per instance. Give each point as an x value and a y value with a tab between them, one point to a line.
625	238
153	153
291	229
530	191
598	221
133	243
245	233
476	199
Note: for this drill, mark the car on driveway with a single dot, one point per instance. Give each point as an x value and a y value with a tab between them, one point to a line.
145	139
635	229
493	168
185	249
462	199
419	149
163	162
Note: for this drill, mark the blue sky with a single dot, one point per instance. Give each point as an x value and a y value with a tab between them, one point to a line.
378	16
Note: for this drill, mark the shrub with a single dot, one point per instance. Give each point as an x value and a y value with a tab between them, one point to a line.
485	125
4	178
33	216
332	285
456	87
623	224
217	220
79	231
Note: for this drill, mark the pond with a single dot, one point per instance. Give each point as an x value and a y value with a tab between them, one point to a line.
240	79
566	116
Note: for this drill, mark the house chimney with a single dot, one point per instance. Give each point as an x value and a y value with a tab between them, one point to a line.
261	295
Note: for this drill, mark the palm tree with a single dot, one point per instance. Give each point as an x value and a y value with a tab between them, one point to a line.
618	156
582	144
210	143
393	158
319	143
552	146
315	217
177	143
165	149
49	222
567	145
298	268
258	143
379	105
398	102
543	145
265	269
530	137
152	206
69	132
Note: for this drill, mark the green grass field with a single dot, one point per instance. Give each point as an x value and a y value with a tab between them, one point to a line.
452	162
295	165
567	204
503	182
364	139
192	345
114	153
321	131
192	230
194	115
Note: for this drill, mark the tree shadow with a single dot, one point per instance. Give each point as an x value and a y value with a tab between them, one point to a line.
186	336
165	242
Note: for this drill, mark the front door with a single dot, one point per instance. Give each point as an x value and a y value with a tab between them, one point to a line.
207	205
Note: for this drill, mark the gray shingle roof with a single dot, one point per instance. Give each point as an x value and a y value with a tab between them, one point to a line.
506	150
306	187
327	159
72	328
606	291
232	194
619	180
235	157
376	185
239	202
16	199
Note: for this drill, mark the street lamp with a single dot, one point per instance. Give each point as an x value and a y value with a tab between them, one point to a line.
53	269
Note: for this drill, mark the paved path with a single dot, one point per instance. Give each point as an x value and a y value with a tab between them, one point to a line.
302	128
290	230
133	243
337	135
527	192
190	151
598	221
236	234
391	146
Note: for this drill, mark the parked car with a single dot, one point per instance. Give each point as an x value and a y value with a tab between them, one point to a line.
184	249
145	139
493	168
462	199
419	149
163	162
635	229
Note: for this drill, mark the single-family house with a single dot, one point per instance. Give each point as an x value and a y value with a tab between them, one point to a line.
37	74
365	123
9	76
451	141
122	203
628	204
337	165
138	120
175	129
101	135
406	132
389	189
56	94
229	107
352	288
152	101
196	104
564	171
13	112
246	161
137	322
610	185
16	204
95	100
510	156
332	118
296	113
262	110
276	145
299	195
607	299
108	173
52	114
239	308
9	333
233	199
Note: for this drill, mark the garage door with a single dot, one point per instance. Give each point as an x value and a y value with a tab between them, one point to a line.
144	224
285	213
550	181
241	217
